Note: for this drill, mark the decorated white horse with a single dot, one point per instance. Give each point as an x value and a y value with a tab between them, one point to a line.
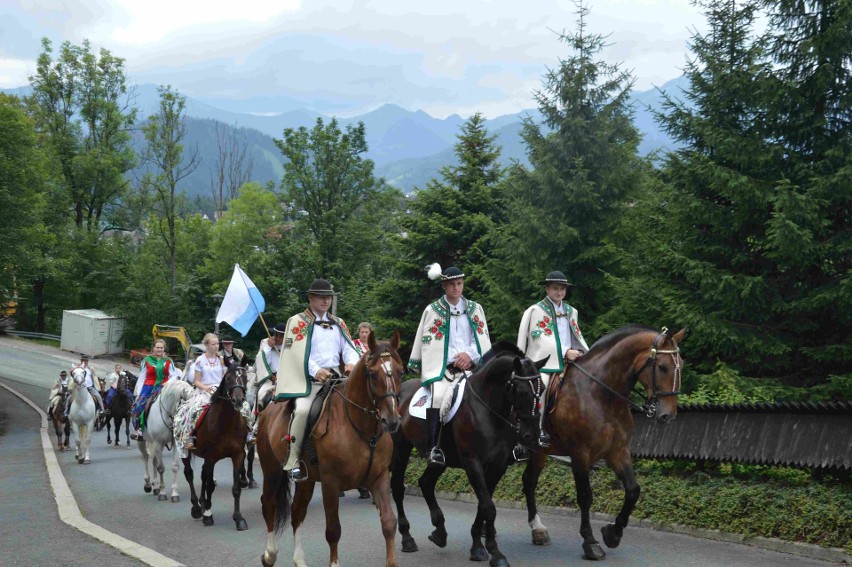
81	415
159	432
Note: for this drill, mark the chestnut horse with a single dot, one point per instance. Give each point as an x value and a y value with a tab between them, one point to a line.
500	408
351	448
591	419
221	434
60	420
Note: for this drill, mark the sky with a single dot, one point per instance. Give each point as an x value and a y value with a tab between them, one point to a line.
345	56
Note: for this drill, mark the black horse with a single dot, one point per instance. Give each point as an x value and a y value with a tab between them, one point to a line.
119	407
500	408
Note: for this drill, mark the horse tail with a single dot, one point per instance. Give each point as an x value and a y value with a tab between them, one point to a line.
281	485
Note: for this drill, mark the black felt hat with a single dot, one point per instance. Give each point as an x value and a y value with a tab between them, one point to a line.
321	287
434	272
556	277
227	339
280	328
63	373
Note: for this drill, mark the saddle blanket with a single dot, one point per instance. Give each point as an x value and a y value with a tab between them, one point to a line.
422	399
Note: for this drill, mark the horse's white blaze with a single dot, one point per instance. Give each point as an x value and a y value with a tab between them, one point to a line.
536	524
386	365
298	550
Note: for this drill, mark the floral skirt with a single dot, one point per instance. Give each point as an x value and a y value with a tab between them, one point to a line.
187	414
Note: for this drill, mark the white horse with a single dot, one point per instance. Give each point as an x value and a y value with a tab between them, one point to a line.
82	415
159	431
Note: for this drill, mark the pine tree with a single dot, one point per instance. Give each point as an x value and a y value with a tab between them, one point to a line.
584	168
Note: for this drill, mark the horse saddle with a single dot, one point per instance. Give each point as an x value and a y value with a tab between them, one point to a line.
147	409
318	407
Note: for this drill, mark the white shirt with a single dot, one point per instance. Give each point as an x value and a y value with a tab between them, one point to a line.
461	334
212	370
271	355
327	345
565	336
113	379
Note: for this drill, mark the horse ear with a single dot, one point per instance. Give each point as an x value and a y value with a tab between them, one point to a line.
371	342
539	364
395	340
244	362
680	335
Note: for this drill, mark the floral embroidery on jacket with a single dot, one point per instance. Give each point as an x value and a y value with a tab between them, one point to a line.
437	330
298	330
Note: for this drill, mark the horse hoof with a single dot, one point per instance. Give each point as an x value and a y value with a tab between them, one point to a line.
175	498
264	562
252	484
593	551
409	545
87	461
162	498
241	525
438	539
478	554
540	537
243	483
156	491
501	562
610	536
195	512
207	520
147	488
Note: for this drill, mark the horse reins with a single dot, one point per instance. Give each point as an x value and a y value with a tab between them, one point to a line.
649	408
536	393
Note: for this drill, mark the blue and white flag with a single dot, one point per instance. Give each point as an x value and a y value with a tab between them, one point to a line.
242	303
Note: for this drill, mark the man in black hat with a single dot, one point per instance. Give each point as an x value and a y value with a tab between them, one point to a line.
450	341
266	368
301	366
229	354
56	391
549	328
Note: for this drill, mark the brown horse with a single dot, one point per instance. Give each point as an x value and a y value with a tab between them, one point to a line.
351	448
221	434
591	419
60	420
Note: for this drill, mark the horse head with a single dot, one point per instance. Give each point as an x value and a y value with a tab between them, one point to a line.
658	367
78	375
384	368
233	385
526	389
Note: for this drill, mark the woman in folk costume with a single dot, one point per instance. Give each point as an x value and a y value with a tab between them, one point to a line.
363	335
317	346
550	328
450	342
156	369
208	370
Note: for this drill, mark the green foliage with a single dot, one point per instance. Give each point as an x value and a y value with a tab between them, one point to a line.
755	501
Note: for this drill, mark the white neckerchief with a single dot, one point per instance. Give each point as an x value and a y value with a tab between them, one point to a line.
562	325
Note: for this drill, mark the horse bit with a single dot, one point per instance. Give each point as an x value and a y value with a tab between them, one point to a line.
649	408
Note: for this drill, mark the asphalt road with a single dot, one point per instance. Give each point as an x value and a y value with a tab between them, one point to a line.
109	493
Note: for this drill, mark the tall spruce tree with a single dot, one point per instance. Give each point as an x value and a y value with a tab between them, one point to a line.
447	222
584	168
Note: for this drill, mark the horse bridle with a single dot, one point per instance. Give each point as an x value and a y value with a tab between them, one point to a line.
511	386
238	384
649	408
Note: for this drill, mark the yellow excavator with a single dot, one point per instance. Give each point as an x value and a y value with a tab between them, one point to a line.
168	332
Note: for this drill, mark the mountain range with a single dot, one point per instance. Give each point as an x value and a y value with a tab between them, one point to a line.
408	147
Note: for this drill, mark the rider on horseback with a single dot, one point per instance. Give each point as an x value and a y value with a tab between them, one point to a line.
315	346
450	342
112	379
155	370
549	328
266	373
91	382
56	391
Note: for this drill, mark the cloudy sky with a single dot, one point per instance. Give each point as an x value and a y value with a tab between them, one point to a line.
346	56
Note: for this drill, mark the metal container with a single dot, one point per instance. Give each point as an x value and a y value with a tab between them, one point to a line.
92	332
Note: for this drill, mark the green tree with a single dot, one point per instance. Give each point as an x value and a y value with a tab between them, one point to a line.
584	168
80	104
164	154
447	222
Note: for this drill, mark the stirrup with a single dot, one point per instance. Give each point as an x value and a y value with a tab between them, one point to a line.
299	473
436	457
544	440
190	443
251	439
520	453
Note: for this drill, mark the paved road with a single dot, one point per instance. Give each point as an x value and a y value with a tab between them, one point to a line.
109	492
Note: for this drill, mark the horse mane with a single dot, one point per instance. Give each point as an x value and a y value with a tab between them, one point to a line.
501	348
614	337
172	390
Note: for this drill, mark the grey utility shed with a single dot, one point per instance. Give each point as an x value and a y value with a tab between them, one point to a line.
92	332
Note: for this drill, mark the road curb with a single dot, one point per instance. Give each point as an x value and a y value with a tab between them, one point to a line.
809	550
69	511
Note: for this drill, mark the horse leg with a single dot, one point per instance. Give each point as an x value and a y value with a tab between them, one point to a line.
239	466
381	496
195	512
623	467
160	469
304	492
401	456
109	431
275	505
250	467
67	435
127	429
427	483
86	434
591	548
540	536
207	488
331	503
486	512
175	497
143	449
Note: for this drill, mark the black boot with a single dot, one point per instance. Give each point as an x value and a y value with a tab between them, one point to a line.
433	425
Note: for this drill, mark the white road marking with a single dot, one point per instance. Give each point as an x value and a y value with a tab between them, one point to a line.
69	512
